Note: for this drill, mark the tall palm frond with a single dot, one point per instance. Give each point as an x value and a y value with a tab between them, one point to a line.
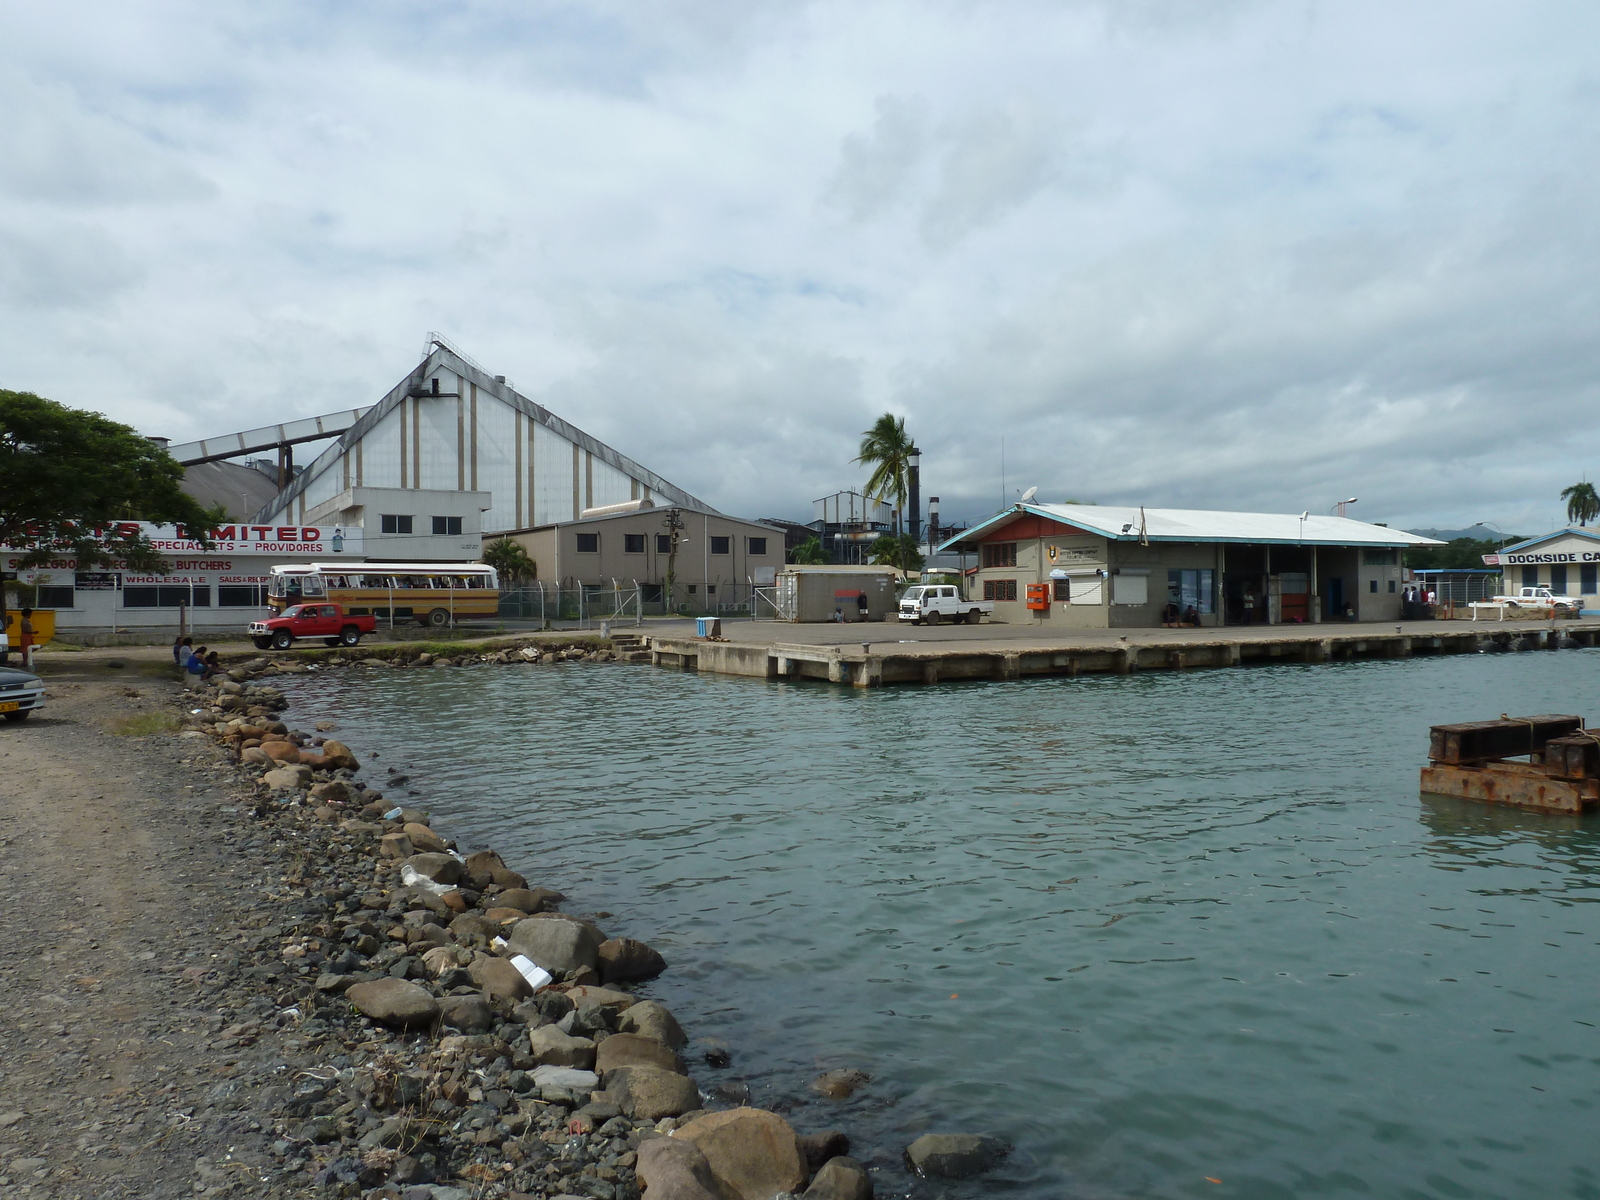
886	447
1583	503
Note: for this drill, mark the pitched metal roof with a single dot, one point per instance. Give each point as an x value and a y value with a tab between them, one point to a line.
1591	534
1131	524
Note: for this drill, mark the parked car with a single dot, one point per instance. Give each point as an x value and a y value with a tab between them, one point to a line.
21	693
931	603
329	622
1537	597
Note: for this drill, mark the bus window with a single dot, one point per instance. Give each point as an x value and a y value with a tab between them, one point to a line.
313	585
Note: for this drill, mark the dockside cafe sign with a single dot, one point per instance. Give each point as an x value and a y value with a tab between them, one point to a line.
1532	558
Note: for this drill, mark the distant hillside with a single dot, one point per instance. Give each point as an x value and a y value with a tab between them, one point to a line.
1478	533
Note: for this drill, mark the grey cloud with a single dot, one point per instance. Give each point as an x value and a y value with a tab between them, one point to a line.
876	170
992	162
63	265
55	150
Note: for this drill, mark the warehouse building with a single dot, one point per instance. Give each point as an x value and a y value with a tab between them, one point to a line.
718	559
452	453
1094	566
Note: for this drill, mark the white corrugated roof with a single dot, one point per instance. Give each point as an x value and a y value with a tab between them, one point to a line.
1202	525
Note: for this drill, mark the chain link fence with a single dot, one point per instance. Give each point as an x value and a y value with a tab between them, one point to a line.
585	604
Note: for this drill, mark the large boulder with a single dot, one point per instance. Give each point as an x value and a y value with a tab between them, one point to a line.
425	839
650	1093
340	756
624	960
395	845
549	1047
441	868
955	1155
497	977
841	1179
281	751
555	942
394	1002
840	1083
652	1020
469	1014
632	1050
586	994
537	900
752	1153
289	777
672	1169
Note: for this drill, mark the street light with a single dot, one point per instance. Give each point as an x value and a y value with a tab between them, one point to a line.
1340	506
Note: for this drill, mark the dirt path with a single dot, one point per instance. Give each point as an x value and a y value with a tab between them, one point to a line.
132	902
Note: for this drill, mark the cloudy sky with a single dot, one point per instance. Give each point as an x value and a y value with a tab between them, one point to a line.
1230	254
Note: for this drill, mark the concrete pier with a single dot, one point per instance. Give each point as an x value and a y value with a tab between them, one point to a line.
874	655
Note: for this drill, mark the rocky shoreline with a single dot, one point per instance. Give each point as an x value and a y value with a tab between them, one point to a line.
479	1041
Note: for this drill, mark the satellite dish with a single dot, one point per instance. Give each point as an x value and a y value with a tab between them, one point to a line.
1027	496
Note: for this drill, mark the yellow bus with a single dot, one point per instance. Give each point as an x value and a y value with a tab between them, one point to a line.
436	594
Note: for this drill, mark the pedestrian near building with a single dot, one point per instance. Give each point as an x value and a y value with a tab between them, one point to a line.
26	630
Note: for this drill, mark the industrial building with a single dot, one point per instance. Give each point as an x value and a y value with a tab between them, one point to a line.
452	453
1095	566
717	561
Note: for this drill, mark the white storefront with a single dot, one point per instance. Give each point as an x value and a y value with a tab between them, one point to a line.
220	588
1566	561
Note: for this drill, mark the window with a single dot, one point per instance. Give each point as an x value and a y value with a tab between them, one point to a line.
1372	586
756	546
1587	582
1380	558
166	595
633	543
1391	587
999	554
1530	576
1186	588
663	543
720	545
395	522
1000	589
1063	590
711	589
54	596
588	543
650	593
692	588
447	526
1558	581
248	595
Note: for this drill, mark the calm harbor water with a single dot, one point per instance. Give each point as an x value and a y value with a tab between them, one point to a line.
1159	931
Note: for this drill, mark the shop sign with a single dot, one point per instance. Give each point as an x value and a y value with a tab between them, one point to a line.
1533	558
245	539
95	581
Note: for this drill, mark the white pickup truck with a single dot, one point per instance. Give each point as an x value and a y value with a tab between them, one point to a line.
1536	597
931	603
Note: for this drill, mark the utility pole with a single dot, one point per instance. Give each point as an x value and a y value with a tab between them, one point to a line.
914	481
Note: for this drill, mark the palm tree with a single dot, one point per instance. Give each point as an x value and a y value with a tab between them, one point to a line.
900	551
510	561
887	448
810	551
1583	504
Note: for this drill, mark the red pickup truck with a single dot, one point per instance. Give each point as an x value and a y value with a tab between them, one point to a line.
327	621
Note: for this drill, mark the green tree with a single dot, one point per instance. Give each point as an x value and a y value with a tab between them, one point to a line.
1583	504
1458	553
886	448
899	551
810	551
71	483
510	561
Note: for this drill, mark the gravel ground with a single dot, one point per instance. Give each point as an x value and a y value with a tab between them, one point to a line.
135	895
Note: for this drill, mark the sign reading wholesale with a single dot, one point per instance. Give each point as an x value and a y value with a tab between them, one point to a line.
222	585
